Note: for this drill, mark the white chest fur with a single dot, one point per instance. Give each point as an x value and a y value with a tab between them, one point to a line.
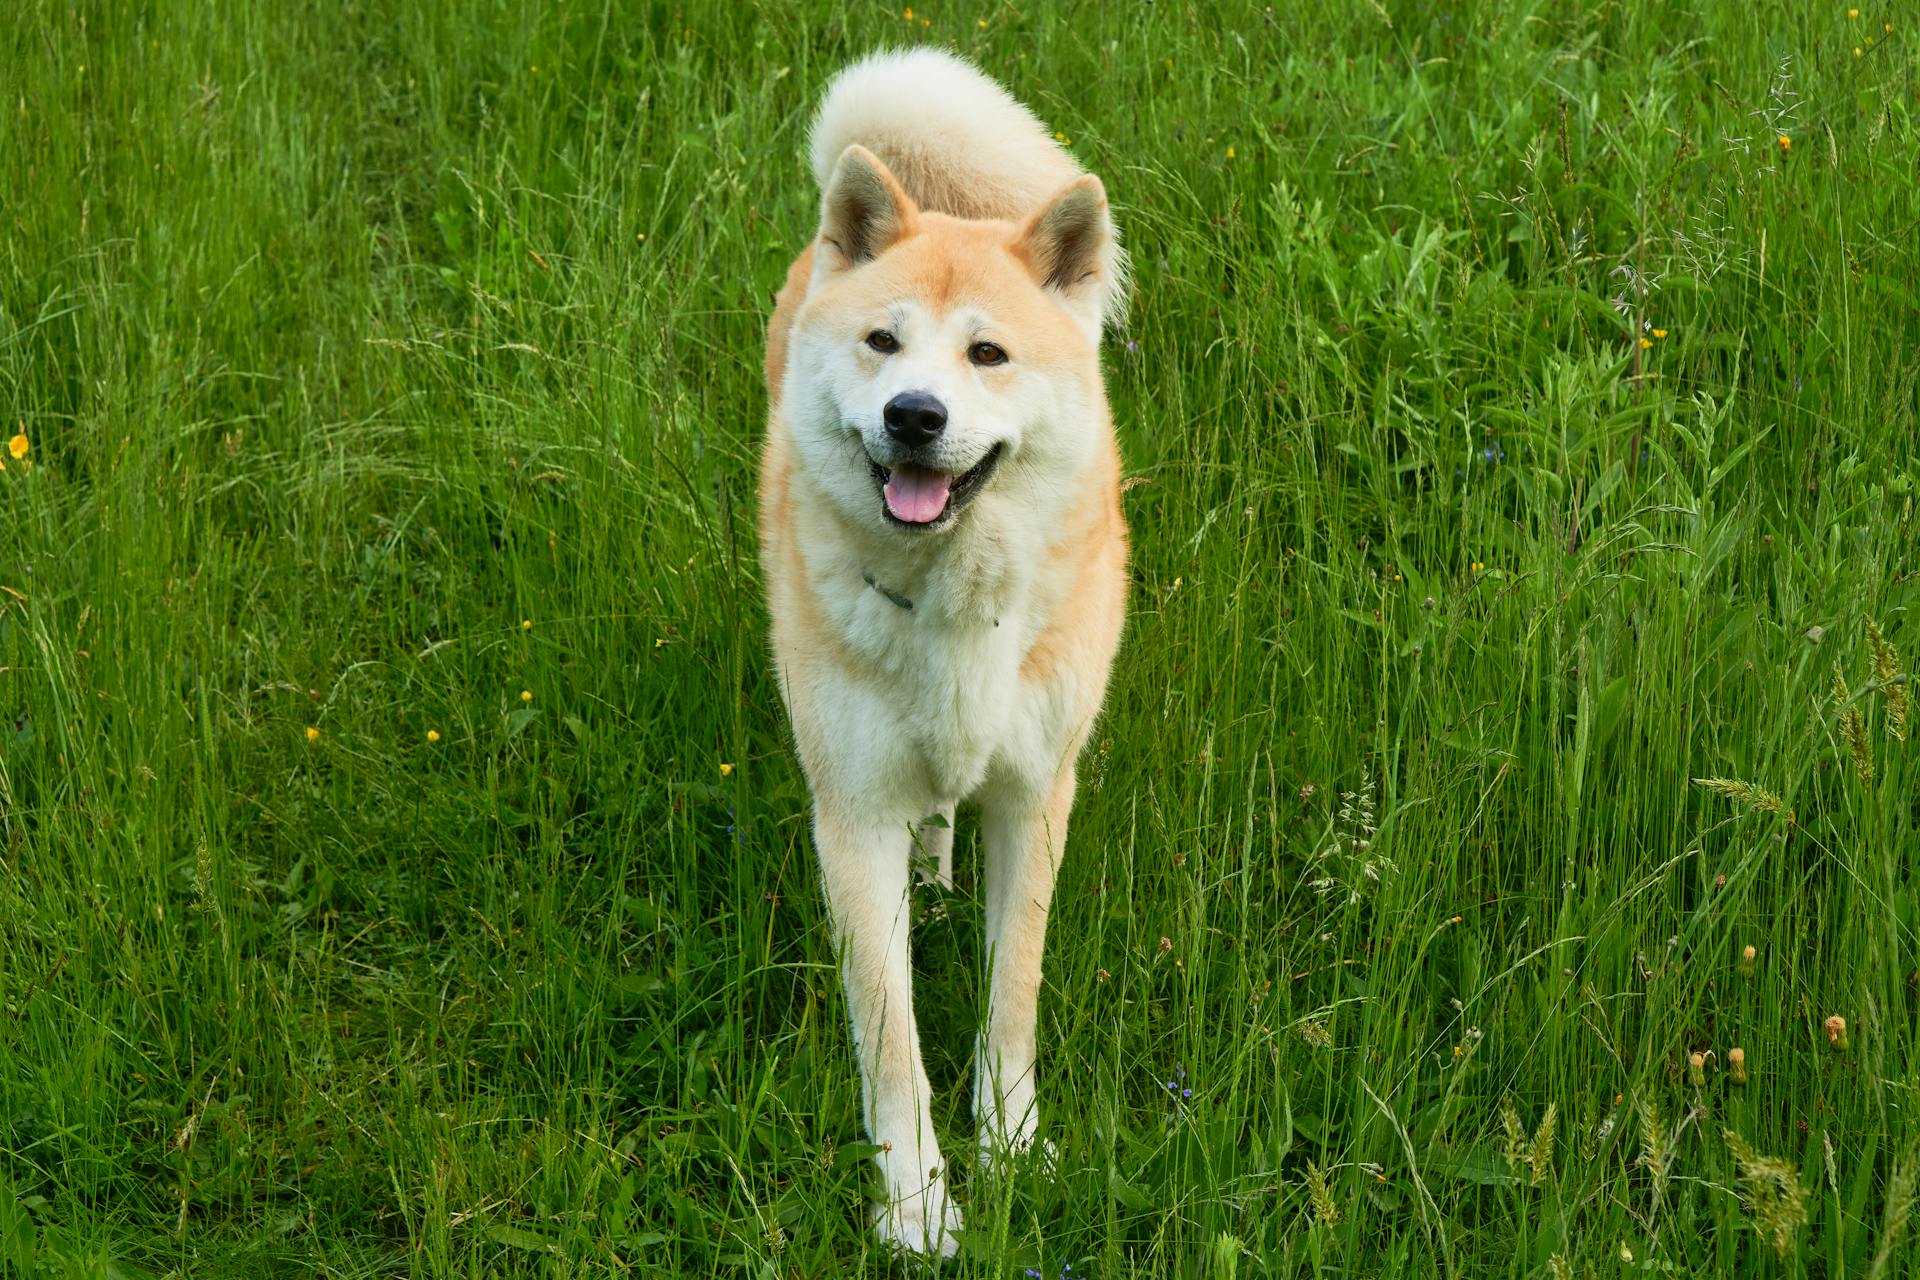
945	687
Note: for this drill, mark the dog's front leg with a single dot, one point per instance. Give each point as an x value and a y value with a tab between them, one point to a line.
865	867
1025	831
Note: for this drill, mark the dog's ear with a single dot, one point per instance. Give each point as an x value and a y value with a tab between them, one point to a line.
1073	251
865	209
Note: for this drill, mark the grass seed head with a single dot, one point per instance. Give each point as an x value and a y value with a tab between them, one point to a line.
1541	1153
1776	1200
1748	794
1323	1206
1855	727
1653	1144
1893	680
1515	1146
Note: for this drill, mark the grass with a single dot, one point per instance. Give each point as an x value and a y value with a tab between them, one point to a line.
1524	401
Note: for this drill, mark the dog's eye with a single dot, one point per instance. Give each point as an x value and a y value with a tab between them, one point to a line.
883	342
986	353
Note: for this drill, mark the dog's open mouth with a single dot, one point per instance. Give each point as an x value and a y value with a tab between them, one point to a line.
920	497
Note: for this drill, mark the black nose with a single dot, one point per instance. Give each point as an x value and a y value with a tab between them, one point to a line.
914	417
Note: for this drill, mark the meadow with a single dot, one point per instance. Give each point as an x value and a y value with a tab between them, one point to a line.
1508	774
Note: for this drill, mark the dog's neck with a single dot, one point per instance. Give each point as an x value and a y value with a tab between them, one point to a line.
968	574
972	574
893	597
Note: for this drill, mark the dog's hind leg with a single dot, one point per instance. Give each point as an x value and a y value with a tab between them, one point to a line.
864	865
1024	831
934	857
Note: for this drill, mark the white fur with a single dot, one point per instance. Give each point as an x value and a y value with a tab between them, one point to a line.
901	713
955	139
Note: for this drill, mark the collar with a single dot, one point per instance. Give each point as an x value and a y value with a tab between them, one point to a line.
889	593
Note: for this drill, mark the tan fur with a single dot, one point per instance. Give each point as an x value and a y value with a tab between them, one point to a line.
988	685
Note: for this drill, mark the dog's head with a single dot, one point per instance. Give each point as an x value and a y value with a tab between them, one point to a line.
938	362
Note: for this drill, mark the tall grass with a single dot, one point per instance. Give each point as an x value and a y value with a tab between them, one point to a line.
403	864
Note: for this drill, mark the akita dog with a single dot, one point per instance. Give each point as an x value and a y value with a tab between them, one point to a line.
945	555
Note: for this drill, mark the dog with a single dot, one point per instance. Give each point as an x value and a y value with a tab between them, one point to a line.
945	556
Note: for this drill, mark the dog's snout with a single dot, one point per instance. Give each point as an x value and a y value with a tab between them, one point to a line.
915	417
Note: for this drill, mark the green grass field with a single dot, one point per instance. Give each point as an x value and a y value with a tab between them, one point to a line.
403	862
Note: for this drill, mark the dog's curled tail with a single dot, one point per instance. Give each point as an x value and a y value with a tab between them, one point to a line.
958	142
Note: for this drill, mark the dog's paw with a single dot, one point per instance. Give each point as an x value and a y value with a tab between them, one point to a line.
925	1222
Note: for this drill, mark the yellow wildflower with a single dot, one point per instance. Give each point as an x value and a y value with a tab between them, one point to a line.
1659	333
725	770
1786	143
526	695
526	624
1853	13
983	24
313	733
1645	343
18	445
433	735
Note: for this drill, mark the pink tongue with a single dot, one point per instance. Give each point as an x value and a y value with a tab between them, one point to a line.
917	495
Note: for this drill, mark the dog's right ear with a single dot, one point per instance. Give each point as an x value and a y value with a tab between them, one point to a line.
865	209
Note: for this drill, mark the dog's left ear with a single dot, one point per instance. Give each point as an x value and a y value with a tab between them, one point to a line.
1073	251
